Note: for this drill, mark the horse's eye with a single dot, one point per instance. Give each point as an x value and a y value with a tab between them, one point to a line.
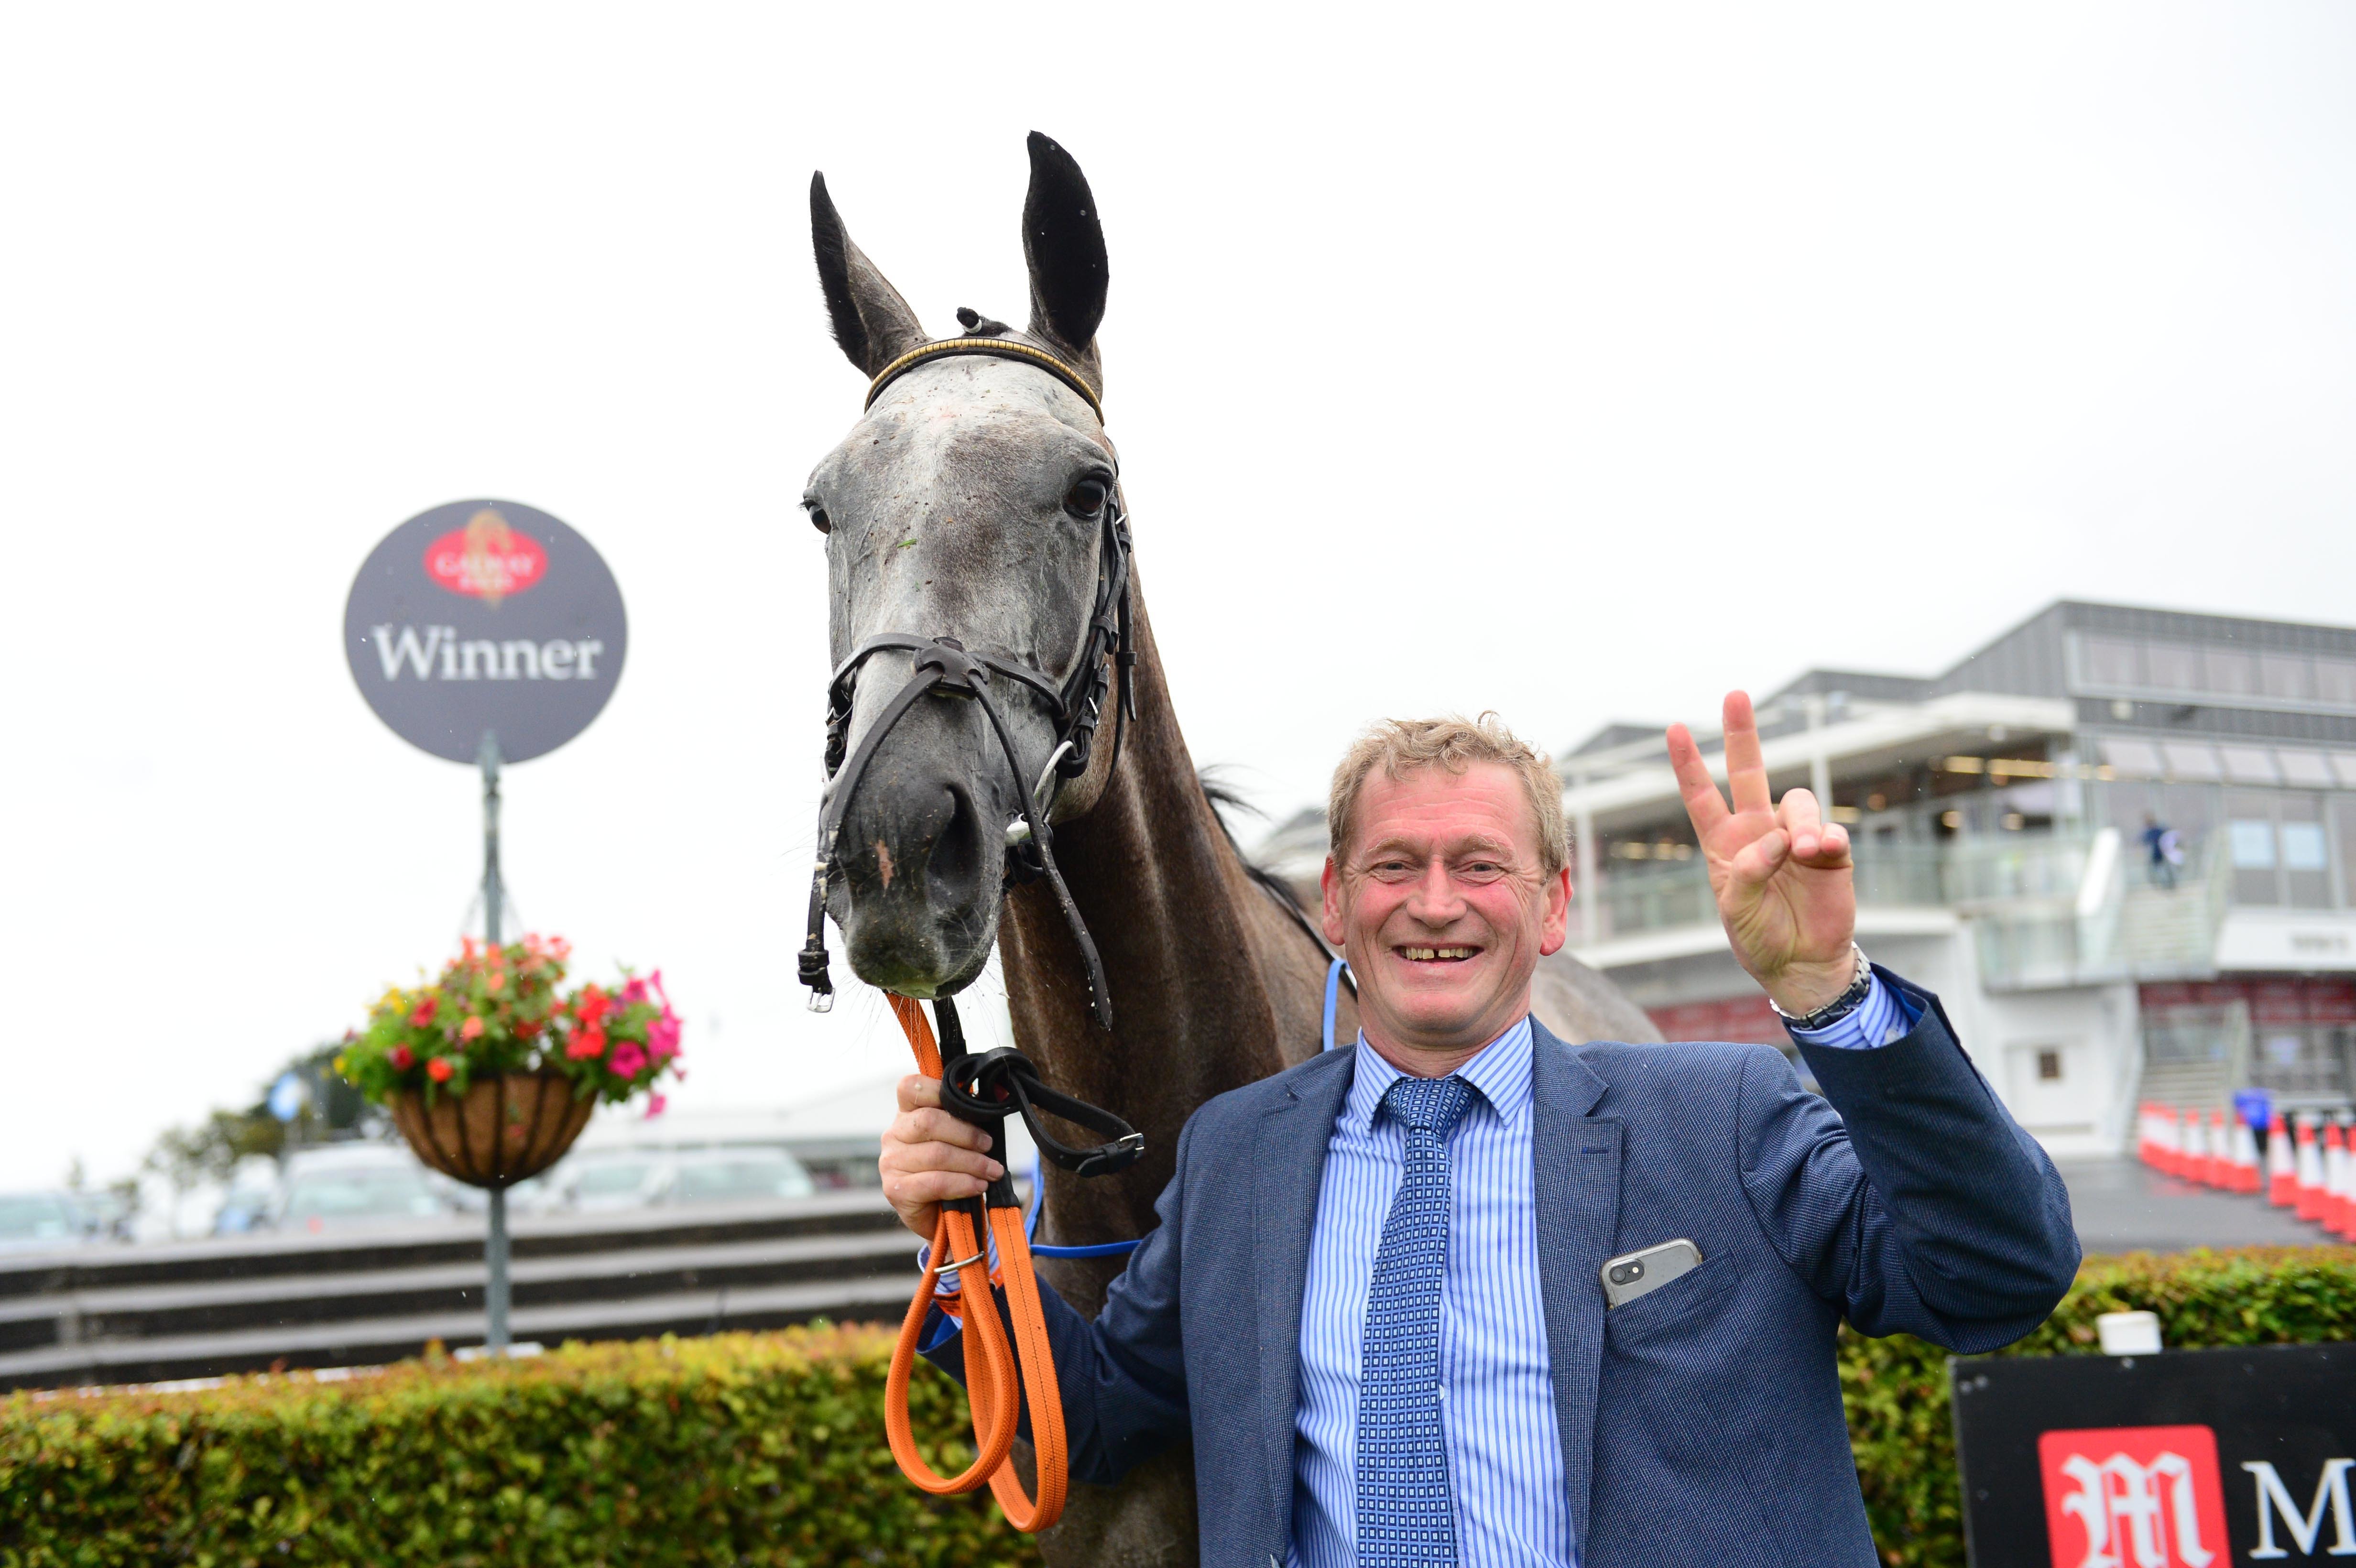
818	519
1087	497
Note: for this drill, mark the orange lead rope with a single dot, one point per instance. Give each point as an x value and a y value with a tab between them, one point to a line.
995	1382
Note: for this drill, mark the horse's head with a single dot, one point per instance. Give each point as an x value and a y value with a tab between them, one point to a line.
969	502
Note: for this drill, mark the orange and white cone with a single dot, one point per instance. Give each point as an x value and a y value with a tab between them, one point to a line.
2334	1207
2282	1169
2309	1205
2244	1157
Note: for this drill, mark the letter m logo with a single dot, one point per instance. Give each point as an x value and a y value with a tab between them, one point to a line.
2134	1497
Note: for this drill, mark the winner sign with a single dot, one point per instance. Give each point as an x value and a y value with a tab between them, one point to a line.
485	617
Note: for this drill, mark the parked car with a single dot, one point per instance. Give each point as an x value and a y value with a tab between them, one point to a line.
356	1184
738	1176
253	1193
606	1180
41	1221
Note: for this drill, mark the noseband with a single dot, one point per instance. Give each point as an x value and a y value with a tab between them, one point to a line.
944	665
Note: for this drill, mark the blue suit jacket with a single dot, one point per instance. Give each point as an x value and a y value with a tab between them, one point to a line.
1701	1423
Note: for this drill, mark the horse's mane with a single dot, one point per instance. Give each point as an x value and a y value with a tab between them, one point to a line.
1226	800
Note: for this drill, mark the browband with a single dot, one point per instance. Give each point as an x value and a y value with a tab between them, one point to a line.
997	347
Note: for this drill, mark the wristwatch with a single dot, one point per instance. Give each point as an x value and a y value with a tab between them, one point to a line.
1840	1007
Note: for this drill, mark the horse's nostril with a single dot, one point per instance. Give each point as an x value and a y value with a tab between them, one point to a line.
954	866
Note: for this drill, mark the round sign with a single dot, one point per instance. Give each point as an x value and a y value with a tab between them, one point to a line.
485	617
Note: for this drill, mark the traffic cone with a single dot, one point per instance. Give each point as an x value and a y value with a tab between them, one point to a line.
2221	1153
2340	1208
2192	1152
2147	1133
2333	1211
2246	1157
2309	1205
2282	1171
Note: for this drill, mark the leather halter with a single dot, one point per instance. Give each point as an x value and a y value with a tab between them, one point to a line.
943	663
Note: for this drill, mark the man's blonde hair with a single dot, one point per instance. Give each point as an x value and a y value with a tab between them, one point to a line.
1396	745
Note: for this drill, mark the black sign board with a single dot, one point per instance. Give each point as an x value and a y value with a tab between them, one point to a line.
2184	1459
485	617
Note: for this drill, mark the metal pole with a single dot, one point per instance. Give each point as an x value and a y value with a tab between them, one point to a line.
495	1252
493	890
495	1244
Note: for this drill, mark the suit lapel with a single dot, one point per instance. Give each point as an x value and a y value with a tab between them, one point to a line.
1291	1159
1575	1158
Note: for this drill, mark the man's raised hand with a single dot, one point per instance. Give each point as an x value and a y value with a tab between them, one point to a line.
1785	885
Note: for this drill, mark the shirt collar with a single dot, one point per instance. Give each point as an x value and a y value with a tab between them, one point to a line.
1499	1072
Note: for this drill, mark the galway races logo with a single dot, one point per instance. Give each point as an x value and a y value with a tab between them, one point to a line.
486	560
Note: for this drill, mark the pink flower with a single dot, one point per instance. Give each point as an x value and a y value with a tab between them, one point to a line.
636	991
627	1060
655	1104
585	1043
471	1029
662	1036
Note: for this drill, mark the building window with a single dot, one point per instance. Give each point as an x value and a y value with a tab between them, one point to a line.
2112	661
2281	852
2335	681
2230	672
2286	675
2049	1066
2173	667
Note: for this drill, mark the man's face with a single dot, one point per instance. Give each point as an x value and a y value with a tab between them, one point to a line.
1441	906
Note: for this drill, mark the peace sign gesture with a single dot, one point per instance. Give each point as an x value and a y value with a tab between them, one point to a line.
1786	887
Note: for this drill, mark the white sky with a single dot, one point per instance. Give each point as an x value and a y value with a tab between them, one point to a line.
1574	362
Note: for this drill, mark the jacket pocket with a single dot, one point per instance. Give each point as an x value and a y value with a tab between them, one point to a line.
1674	1305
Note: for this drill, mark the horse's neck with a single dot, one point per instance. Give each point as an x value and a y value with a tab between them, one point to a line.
1210	983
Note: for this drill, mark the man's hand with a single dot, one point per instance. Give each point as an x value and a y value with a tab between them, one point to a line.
930	1156
1786	887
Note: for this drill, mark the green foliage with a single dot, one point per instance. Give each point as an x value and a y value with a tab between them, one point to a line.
740	1449
499	1009
769	1449
1896	1389
186	1156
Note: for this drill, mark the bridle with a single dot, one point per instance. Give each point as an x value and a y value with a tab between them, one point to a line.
944	664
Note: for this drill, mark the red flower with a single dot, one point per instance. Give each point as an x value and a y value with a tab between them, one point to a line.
425	1013
585	1043
528	1029
471	1029
592	1004
401	1058
439	1070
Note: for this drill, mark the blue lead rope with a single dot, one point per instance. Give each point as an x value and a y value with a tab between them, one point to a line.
1334	996
1031	1228
1122	1249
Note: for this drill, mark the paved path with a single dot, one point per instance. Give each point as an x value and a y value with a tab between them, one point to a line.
2124	1205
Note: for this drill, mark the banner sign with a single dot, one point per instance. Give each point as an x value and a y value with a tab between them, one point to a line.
486	616
2185	1459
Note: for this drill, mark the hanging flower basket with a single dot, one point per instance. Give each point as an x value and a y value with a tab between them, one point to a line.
492	1070
507	1127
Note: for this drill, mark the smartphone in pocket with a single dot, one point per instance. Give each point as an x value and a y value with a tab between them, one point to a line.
1632	1275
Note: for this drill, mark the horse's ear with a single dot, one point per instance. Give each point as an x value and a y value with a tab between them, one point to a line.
1064	243
872	322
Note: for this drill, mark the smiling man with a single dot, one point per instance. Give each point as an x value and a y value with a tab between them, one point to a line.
1404	1299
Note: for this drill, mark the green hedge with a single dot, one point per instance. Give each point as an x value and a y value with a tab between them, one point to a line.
1896	1388
768	1449
739	1449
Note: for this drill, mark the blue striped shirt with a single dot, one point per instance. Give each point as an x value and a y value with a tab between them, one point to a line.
1504	1449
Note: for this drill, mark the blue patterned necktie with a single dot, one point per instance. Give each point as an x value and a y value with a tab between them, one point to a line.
1406	1519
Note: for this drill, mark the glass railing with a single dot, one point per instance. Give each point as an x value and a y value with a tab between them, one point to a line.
1662	898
